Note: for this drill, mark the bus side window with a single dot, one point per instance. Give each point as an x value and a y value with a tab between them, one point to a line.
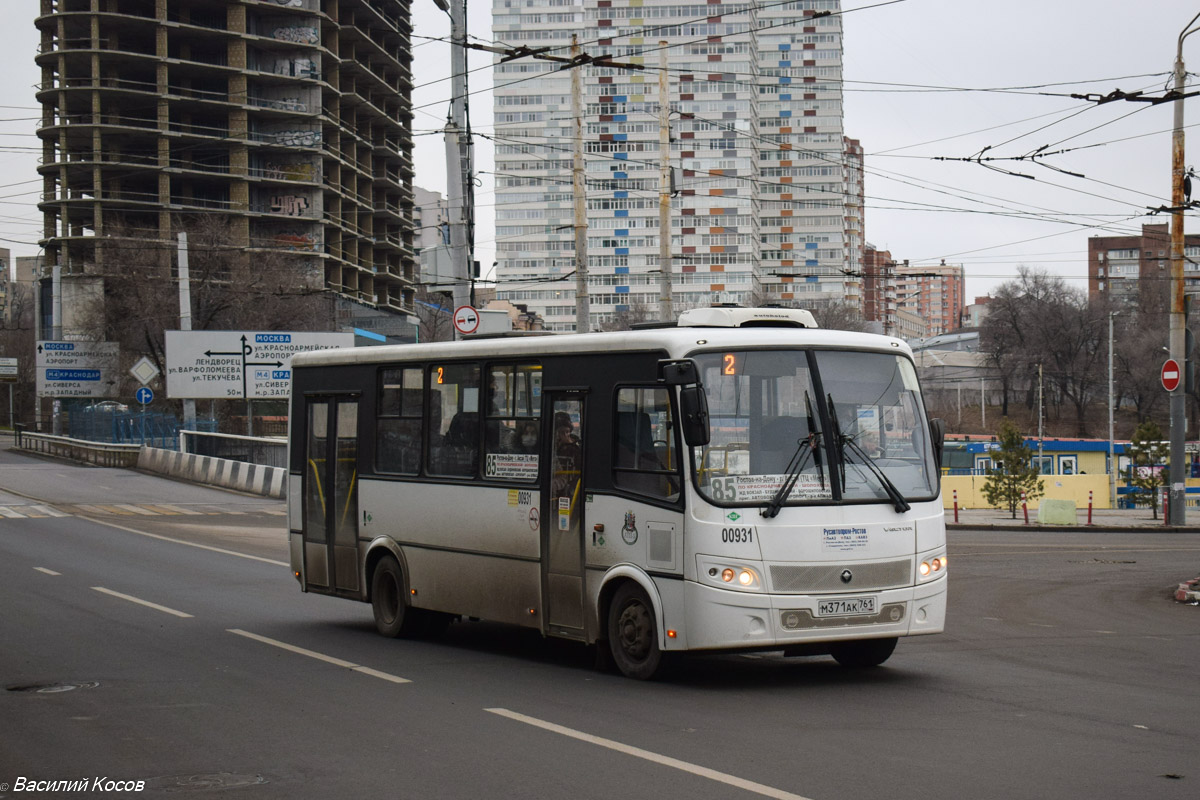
644	449
398	421
454	450
512	423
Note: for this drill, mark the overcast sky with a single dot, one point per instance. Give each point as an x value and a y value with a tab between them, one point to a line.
919	208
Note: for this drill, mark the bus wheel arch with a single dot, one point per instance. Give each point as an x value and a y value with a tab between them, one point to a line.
388	594
631	620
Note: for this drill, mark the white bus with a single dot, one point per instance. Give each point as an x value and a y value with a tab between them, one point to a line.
740	480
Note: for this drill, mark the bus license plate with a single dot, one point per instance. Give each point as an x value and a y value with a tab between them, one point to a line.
847	607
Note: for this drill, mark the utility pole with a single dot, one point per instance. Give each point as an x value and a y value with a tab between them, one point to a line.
1177	509
1112	461
1040	436
666	311
185	321
459	158
578	192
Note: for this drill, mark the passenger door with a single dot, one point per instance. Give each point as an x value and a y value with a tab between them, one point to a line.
330	489
562	517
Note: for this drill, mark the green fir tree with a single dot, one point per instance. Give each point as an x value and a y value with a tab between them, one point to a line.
1012	473
1148	454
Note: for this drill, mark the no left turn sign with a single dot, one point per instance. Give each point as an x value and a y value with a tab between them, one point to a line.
466	320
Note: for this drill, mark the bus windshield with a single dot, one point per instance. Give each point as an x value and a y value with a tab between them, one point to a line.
820	426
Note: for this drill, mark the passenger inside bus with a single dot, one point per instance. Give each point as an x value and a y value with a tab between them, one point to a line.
567	455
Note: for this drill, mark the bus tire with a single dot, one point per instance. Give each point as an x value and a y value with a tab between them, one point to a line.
864	653
633	633
393	616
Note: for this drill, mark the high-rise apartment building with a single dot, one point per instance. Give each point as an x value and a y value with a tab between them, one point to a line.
757	154
289	120
1118	266
935	294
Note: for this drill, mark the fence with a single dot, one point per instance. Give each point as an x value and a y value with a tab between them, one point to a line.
101	454
268	452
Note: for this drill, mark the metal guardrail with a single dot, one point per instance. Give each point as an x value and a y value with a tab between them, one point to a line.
98	453
266	451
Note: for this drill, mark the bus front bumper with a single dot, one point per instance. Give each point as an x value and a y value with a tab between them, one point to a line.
720	619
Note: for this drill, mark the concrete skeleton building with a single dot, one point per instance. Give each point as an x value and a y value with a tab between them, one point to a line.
291	120
762	187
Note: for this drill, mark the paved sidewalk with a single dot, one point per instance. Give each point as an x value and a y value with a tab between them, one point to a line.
1120	519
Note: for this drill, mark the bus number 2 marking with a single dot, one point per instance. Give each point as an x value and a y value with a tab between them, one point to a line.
737	534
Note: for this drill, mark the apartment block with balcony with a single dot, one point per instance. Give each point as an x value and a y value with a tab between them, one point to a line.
757	198
1118	266
291	122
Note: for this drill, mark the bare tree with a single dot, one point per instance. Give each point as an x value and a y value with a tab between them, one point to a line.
231	288
435	313
635	313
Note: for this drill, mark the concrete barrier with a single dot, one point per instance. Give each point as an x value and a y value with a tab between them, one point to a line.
1056	512
250	478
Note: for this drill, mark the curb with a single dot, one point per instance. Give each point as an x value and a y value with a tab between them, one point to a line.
987	526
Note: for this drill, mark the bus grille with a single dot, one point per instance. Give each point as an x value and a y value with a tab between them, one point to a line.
818	578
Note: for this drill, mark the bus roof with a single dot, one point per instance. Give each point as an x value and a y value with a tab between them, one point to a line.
676	341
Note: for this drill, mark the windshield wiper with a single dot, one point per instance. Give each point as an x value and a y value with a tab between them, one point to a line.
898	500
806	447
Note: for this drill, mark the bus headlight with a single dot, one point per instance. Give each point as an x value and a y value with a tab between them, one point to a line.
730	576
930	568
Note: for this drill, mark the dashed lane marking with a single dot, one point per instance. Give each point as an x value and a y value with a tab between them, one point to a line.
291	648
47	571
666	761
210	548
141	602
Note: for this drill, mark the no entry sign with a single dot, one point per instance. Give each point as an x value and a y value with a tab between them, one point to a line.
1170	375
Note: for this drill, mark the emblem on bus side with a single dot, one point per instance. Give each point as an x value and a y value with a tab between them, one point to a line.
629	532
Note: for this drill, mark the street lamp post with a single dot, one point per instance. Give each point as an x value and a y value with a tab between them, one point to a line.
1177	507
1112	462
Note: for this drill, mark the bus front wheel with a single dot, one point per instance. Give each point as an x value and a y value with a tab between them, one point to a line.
633	633
864	653
393	617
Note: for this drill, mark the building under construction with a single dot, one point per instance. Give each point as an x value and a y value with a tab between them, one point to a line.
289	120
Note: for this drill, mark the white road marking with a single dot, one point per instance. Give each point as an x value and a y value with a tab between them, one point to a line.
5	511
47	571
338	662
135	509
179	510
141	602
189	544
50	512
666	761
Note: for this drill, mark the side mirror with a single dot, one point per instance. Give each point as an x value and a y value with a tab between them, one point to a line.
693	404
678	371
937	430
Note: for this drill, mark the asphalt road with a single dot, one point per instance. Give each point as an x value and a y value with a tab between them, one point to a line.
1067	672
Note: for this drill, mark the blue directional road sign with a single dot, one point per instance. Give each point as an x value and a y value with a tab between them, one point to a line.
145	395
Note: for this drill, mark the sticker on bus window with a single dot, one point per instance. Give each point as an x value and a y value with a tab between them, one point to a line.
519	466
760	488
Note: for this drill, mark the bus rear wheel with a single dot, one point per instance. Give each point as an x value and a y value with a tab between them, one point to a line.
864	653
633	633
393	617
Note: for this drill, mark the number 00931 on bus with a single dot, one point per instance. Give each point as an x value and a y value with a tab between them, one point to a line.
739	480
